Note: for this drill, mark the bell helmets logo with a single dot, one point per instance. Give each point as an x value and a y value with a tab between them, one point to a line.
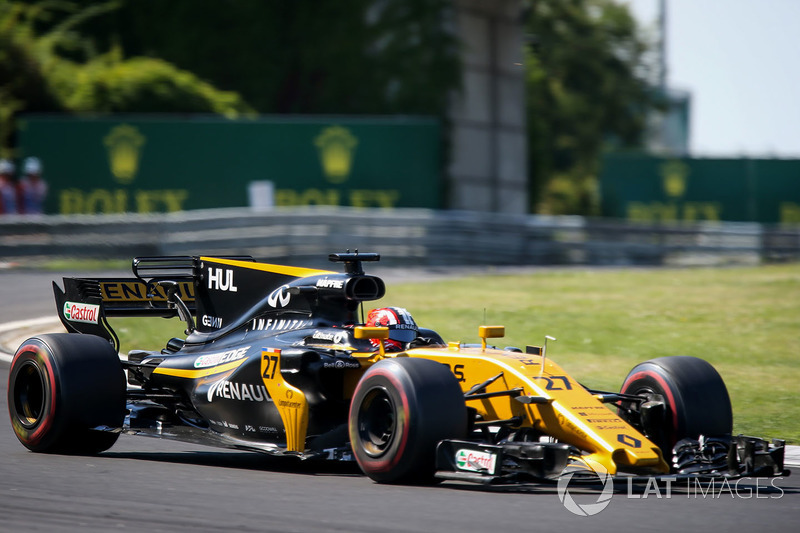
80	312
475	461
587	509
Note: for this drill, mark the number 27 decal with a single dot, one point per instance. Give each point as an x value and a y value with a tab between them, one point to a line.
269	363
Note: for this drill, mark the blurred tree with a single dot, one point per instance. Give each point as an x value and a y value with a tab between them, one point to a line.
586	91
46	64
302	56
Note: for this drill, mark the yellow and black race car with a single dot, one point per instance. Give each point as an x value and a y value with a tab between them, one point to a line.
281	360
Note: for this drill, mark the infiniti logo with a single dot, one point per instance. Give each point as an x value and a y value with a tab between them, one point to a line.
279	297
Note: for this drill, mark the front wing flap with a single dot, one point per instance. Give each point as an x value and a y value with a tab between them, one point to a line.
497	463
513	462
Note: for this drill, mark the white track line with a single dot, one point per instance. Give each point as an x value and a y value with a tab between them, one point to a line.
17	324
22	324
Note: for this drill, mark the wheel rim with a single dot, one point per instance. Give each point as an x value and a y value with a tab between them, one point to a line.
29	395
377	422
640	390
643	390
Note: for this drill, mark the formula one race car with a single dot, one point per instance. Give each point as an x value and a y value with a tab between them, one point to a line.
280	360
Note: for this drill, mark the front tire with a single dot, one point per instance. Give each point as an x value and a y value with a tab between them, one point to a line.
62	385
400	411
695	398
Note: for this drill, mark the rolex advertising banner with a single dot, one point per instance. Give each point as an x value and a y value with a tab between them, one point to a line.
655	189
142	164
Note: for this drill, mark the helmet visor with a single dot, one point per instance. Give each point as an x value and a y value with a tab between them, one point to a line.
402	332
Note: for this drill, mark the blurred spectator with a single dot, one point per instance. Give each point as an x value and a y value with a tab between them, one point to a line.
32	188
8	192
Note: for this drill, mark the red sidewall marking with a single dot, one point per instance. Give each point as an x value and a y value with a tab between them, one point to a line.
39	352
387	464
667	390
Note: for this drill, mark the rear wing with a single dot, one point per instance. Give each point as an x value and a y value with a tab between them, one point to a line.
222	293
85	303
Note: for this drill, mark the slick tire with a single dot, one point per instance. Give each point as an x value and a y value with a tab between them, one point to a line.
60	386
695	397
400	411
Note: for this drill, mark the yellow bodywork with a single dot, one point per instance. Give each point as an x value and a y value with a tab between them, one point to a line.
567	411
559	407
555	404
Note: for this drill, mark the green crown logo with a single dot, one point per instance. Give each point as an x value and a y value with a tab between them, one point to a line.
124	145
674	175
336	147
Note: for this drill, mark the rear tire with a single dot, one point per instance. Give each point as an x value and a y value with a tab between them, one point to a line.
400	411
695	397
62	385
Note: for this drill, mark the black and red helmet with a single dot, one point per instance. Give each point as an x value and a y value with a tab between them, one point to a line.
402	328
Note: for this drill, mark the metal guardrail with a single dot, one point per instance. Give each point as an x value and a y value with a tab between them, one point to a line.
403	237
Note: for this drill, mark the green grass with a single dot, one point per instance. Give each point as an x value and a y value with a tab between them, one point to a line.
83	265
744	321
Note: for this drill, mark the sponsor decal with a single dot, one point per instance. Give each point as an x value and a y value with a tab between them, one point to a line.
230	390
282	324
475	461
341	364
221	279
338	337
224	424
326	283
81	312
137	291
280	297
288	402
211	321
214	359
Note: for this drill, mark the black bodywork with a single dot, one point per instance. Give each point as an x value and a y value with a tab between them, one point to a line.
244	310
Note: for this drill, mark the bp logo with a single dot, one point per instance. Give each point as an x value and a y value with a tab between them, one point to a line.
587	509
336	147
124	144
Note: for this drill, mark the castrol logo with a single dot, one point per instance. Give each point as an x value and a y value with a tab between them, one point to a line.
80	312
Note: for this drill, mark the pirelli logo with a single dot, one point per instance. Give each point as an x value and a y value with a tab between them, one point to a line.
136	291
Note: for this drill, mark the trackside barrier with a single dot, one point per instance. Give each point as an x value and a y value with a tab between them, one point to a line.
404	237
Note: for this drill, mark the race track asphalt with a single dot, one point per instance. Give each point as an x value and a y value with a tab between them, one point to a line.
153	485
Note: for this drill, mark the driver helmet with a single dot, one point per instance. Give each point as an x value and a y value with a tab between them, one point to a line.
402	328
